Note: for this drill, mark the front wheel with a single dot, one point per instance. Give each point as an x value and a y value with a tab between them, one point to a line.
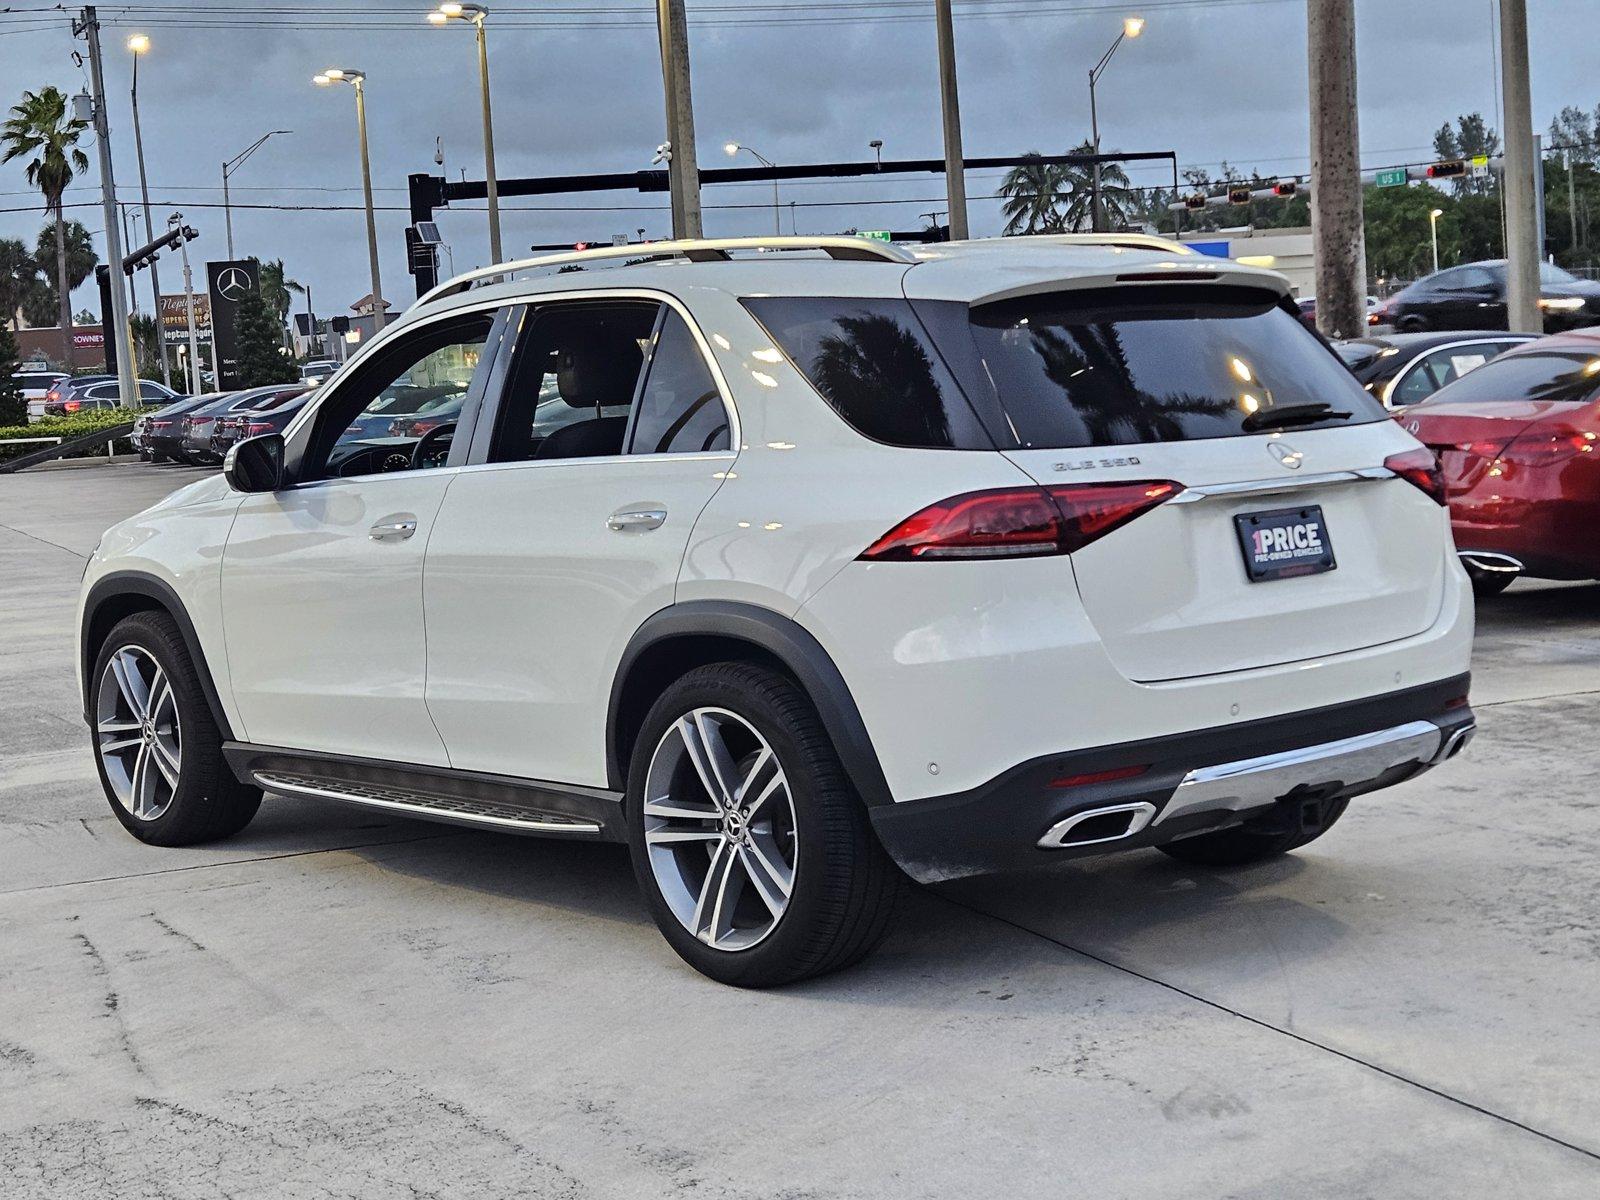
752	849
157	746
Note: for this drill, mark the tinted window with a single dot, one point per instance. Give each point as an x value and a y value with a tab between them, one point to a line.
1104	368
573	382
1356	355
680	409
152	391
873	362
1559	375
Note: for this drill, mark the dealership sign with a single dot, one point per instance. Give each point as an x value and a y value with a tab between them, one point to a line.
175	319
230	282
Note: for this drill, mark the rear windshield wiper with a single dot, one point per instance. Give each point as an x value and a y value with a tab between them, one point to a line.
1292	414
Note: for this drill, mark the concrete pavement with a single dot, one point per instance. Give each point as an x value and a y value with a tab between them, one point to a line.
334	1004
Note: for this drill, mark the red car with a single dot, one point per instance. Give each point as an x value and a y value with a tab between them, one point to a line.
1518	440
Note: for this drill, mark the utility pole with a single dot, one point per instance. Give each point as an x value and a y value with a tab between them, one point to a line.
1522	245
149	231
88	26
950	103
1336	203
683	170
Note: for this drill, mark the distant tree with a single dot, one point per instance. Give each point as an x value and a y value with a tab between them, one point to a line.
13	409
1031	195
41	130
86	316
1469	137
277	290
1574	130
260	345
146	331
1399	244
19	278
1116	196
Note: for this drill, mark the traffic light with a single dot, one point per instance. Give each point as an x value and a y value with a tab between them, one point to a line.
1454	168
1285	187
1239	195
1197	200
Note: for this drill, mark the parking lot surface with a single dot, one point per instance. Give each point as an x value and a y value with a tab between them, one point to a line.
336	1004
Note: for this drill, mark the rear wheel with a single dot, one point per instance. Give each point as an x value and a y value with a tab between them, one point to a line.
1287	828
752	849
157	747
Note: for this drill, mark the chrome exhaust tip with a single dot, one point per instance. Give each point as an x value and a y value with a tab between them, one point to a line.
1491	562
1455	744
1093	826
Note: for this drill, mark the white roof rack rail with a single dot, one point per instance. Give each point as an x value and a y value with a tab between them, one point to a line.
1115	241
694	249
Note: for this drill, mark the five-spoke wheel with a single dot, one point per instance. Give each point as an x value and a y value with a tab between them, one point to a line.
138	732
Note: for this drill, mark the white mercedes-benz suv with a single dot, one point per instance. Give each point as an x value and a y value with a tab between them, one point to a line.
802	565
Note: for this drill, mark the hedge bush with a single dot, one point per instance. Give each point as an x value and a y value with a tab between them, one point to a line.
66	428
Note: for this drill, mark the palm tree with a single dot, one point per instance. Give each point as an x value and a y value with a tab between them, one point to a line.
19	278
1116	195
276	289
1032	195
40	127
81	256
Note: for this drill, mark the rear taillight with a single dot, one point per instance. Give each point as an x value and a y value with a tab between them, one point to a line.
1018	522
1546	449
52	396
1420	469
255	428
72	406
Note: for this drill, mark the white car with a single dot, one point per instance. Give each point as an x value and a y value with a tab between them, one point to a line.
34	385
841	561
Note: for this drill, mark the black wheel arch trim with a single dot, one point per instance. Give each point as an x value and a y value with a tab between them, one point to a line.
119	584
778	636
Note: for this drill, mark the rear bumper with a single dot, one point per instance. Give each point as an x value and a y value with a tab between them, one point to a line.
1032	815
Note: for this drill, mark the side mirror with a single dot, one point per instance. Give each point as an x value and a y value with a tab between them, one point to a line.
255	464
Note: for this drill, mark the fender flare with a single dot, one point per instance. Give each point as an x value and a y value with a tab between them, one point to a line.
118	584
785	640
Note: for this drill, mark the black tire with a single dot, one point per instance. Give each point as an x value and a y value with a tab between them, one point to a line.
845	889
208	803
1411	324
1489	583
1255	841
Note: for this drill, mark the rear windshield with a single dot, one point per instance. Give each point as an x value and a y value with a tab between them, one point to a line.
1106	368
1565	376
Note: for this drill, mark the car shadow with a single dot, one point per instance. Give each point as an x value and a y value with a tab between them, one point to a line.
1546	602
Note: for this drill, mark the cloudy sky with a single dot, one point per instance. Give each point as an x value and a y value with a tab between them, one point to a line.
577	89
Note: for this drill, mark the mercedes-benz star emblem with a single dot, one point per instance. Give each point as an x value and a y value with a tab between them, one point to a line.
1287	455
233	283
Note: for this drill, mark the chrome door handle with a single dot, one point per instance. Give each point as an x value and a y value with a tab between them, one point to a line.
636	519
392	531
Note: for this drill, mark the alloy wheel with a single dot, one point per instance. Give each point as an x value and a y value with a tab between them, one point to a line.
719	828
137	732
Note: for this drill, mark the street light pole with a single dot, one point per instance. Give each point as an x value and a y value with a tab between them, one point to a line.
1433	231
731	149
175	221
1132	27
955	175
358	79
683	167
137	45
476	14
1522	223
232	165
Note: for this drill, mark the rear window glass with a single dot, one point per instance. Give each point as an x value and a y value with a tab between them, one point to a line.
1106	368
874	363
1561	375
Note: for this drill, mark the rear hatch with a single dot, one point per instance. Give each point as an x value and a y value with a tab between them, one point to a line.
1288	541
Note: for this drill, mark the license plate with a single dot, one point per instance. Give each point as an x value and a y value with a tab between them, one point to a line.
1285	543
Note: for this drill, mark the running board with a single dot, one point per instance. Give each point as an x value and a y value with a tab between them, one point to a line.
434	793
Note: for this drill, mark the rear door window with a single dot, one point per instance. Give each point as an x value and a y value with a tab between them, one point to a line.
1109	368
680	410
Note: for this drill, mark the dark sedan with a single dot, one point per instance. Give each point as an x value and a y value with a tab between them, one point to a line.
159	436
1474	297
199	424
1406	368
273	419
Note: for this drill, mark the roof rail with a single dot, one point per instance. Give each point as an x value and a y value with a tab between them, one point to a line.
694	249
1118	241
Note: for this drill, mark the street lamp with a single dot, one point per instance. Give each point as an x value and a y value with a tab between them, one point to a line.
139	44
232	165
475	14
1132	27
1433	230
731	149
358	80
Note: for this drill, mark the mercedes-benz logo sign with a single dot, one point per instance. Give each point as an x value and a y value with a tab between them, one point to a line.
1414	427
1288	456
233	283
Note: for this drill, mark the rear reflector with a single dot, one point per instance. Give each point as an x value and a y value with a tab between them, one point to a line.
1018	522
1420	469
1088	777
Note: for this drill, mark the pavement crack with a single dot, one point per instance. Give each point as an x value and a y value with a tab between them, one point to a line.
44	541
1278	1029
112	1003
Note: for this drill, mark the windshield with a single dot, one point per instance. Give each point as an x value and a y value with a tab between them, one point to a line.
1550	273
1562	376
1105	368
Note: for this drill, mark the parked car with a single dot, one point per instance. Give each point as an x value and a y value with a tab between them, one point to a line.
273	419
840	558
90	392
159	435
1474	297
35	385
1307	306
403	400
198	424
1406	368
314	372
1517	443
